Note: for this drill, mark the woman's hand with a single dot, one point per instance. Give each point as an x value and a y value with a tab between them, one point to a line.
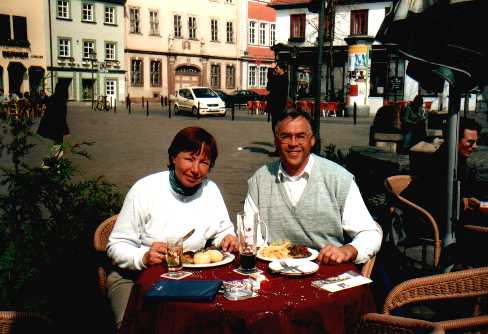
229	243
156	254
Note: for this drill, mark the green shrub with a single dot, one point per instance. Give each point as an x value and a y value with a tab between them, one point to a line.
47	222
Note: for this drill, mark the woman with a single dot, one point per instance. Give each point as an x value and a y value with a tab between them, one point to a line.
168	204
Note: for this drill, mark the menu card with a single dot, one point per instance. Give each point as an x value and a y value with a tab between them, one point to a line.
343	281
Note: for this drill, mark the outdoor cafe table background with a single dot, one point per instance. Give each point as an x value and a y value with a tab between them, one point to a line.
285	305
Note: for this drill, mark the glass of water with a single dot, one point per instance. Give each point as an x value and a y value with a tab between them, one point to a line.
174	254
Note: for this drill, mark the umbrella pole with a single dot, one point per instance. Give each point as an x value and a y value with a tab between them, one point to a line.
452	200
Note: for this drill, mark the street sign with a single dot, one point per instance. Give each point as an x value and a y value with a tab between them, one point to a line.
102	67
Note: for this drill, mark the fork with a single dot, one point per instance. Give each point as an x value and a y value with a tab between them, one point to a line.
289	268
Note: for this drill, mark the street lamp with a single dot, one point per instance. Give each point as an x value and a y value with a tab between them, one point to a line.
93	59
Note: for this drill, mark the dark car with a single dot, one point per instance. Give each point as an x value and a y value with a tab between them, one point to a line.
242	96
225	97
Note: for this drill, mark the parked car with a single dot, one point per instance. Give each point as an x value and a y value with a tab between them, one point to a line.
243	95
201	100
225	97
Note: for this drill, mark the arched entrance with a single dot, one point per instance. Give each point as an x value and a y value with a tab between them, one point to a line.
16	73
186	76
36	74
1	78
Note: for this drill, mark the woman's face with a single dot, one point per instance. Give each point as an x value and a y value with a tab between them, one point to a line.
191	168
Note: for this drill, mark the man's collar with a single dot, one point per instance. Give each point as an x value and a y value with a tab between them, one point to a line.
283	175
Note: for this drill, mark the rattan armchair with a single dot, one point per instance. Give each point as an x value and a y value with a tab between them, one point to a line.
12	322
415	214
100	240
471	284
374	323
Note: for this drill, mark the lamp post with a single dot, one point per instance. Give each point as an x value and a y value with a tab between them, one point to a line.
93	58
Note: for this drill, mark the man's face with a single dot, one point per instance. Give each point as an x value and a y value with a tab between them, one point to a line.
279	70
294	141
467	144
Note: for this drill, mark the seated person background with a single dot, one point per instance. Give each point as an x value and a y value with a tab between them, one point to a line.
310	200
168	204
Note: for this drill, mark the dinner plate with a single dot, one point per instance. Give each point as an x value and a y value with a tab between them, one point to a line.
294	267
313	255
228	257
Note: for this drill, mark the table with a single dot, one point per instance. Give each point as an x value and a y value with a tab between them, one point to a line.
284	305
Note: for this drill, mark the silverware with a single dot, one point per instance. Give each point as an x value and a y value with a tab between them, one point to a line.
287	268
186	236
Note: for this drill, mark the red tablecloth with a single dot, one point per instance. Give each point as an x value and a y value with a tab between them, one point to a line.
285	305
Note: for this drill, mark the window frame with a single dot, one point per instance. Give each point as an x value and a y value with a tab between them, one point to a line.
212	30
135	20
252	32
106	43
192	27
251	76
229	32
140	82
92	6
356	28
297	27
159	73
230	78
69	47
177	27
68	10
215	77
272	34
83	48
154	24
113	14
263	71
262	33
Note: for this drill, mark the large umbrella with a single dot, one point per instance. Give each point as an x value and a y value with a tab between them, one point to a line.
443	40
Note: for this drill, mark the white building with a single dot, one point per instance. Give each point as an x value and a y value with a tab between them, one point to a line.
87	47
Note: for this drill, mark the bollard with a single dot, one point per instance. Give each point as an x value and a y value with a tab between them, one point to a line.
115	106
127	101
169	111
354	113
147	108
198	111
129	107
232	111
161	100
166	102
142	99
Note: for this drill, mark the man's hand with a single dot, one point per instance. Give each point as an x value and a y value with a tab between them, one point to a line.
331	254
229	243
471	204
155	254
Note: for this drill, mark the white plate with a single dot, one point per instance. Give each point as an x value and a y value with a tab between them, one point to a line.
228	257
313	255
296	267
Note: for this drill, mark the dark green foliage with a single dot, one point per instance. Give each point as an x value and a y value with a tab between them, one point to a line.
47	222
337	156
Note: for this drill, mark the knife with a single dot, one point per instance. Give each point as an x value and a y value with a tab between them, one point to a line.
186	236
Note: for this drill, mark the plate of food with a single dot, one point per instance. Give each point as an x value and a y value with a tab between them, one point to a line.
286	250
206	258
293	267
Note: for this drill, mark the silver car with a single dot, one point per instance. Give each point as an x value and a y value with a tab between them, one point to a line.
199	100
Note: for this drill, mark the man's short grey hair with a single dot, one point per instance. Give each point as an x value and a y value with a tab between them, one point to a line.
292	113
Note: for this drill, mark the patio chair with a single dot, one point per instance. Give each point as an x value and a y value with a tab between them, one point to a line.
420	227
375	323
100	240
332	109
12	322
468	286
367	268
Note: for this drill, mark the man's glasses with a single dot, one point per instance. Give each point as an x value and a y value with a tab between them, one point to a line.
287	138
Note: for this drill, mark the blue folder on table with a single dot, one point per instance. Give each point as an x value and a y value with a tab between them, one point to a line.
203	290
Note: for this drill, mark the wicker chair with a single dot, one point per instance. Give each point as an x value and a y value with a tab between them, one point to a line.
100	240
374	323
12	322
471	284
395	185
367	268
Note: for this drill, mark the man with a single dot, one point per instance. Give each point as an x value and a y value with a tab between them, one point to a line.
310	200
278	92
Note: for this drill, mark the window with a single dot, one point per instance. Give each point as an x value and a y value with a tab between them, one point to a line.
64	47
87	12
20	28
230	32
215	76
230	76
297	27
252	76
110	51
4	27
109	15
177	26
153	22
192	27
262	33
252	32
359	22
214	30
272	34
88	49
63	9
155	73
262	76
134	19
136	72
228	1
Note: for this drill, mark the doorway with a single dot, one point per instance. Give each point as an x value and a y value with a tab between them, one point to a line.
111	91
88	89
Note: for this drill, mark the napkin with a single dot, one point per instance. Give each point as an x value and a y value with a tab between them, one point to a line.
184	290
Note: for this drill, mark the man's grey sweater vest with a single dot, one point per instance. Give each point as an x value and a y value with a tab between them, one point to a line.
315	221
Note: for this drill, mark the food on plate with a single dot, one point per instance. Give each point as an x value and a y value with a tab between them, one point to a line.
284	250
204	256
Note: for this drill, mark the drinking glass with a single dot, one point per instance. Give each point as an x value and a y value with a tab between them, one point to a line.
248	228
174	254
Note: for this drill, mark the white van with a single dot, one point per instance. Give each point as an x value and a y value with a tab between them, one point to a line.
201	100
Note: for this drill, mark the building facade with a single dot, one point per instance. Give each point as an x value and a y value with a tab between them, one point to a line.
22	45
175	44
87	48
260	37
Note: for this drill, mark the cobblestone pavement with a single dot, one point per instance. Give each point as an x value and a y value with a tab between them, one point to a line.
128	147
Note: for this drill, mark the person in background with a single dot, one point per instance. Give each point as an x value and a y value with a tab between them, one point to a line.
168	204
413	123
310	200
278	92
